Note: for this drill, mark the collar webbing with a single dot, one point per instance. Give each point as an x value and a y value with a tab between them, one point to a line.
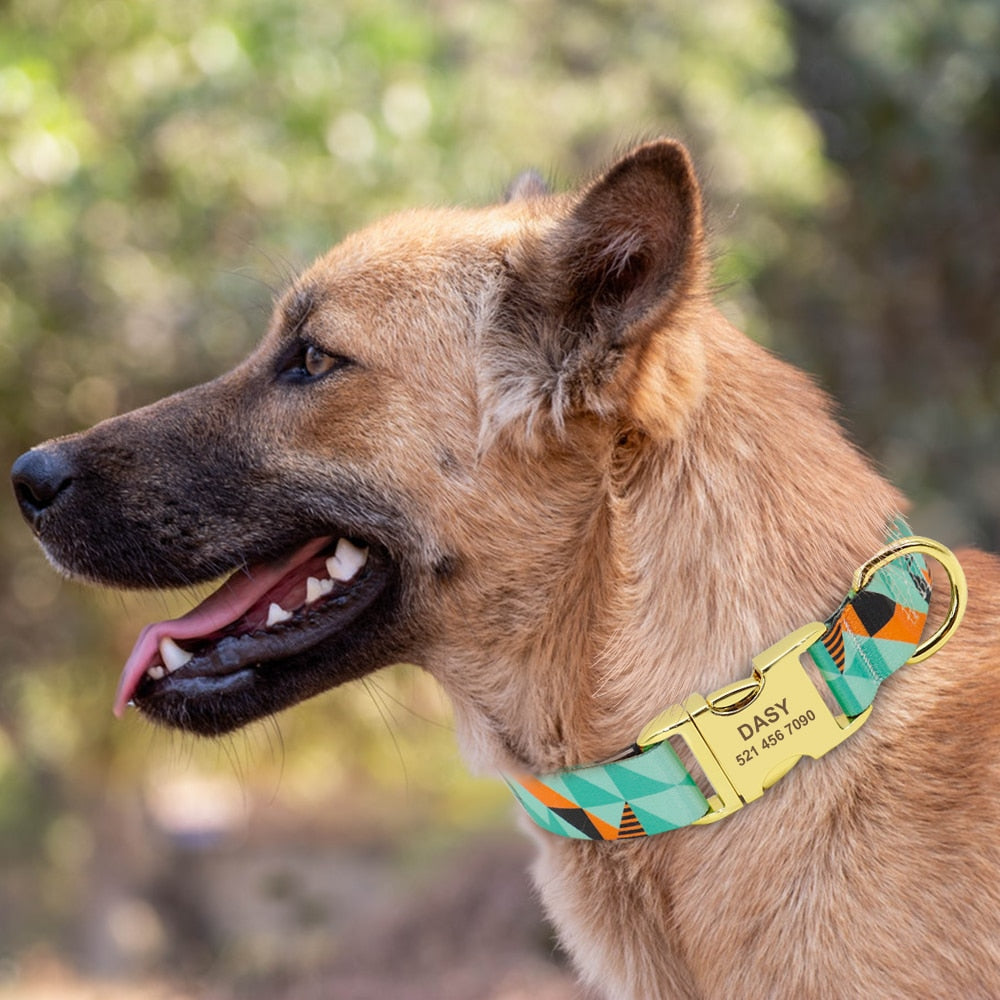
749	734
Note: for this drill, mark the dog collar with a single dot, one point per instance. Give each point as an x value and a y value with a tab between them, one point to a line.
748	735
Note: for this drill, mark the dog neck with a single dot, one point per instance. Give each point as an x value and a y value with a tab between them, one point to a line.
702	551
757	529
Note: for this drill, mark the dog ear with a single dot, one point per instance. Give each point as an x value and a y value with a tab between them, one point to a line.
591	315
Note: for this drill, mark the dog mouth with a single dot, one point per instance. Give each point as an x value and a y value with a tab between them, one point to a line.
260	629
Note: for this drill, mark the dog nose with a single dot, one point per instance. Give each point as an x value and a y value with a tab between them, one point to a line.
39	476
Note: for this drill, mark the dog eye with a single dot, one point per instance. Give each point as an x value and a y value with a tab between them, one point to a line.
304	362
316	362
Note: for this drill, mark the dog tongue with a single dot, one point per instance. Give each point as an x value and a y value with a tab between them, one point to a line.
227	604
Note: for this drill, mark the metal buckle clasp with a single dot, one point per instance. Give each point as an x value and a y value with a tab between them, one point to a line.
748	735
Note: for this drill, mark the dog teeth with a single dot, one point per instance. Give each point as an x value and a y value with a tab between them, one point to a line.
315	589
172	655
344	564
277	614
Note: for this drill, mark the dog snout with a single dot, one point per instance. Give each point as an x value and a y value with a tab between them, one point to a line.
40	476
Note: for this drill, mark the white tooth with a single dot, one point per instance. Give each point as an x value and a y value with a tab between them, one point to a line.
276	613
344	564
172	654
315	589
156	672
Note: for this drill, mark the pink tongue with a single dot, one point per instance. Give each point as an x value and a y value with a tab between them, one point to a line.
227	604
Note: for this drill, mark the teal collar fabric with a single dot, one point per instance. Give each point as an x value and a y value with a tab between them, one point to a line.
648	791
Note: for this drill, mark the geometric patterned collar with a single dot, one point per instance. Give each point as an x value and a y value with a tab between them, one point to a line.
746	736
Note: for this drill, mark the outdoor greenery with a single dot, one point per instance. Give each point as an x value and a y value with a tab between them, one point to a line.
166	167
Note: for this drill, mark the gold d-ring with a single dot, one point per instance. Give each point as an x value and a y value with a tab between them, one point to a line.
956	577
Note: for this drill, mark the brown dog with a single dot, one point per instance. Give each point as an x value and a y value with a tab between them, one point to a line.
576	495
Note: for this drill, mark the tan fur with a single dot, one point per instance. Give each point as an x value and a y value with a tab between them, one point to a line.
632	499
647	549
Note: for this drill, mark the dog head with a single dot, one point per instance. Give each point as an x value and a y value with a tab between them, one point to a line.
408	465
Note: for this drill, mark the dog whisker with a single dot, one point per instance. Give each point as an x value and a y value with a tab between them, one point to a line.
387	720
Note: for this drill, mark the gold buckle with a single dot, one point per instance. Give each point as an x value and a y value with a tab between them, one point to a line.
748	735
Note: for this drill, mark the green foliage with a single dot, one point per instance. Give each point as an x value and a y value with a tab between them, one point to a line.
898	292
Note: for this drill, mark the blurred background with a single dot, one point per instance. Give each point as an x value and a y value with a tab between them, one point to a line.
164	169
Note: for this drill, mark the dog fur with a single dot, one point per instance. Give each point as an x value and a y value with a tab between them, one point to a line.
591	496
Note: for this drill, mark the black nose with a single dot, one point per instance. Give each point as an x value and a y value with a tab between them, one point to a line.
39	476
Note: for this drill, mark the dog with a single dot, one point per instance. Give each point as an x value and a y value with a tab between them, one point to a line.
518	445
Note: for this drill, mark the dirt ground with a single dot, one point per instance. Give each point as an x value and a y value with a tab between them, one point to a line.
466	927
472	933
